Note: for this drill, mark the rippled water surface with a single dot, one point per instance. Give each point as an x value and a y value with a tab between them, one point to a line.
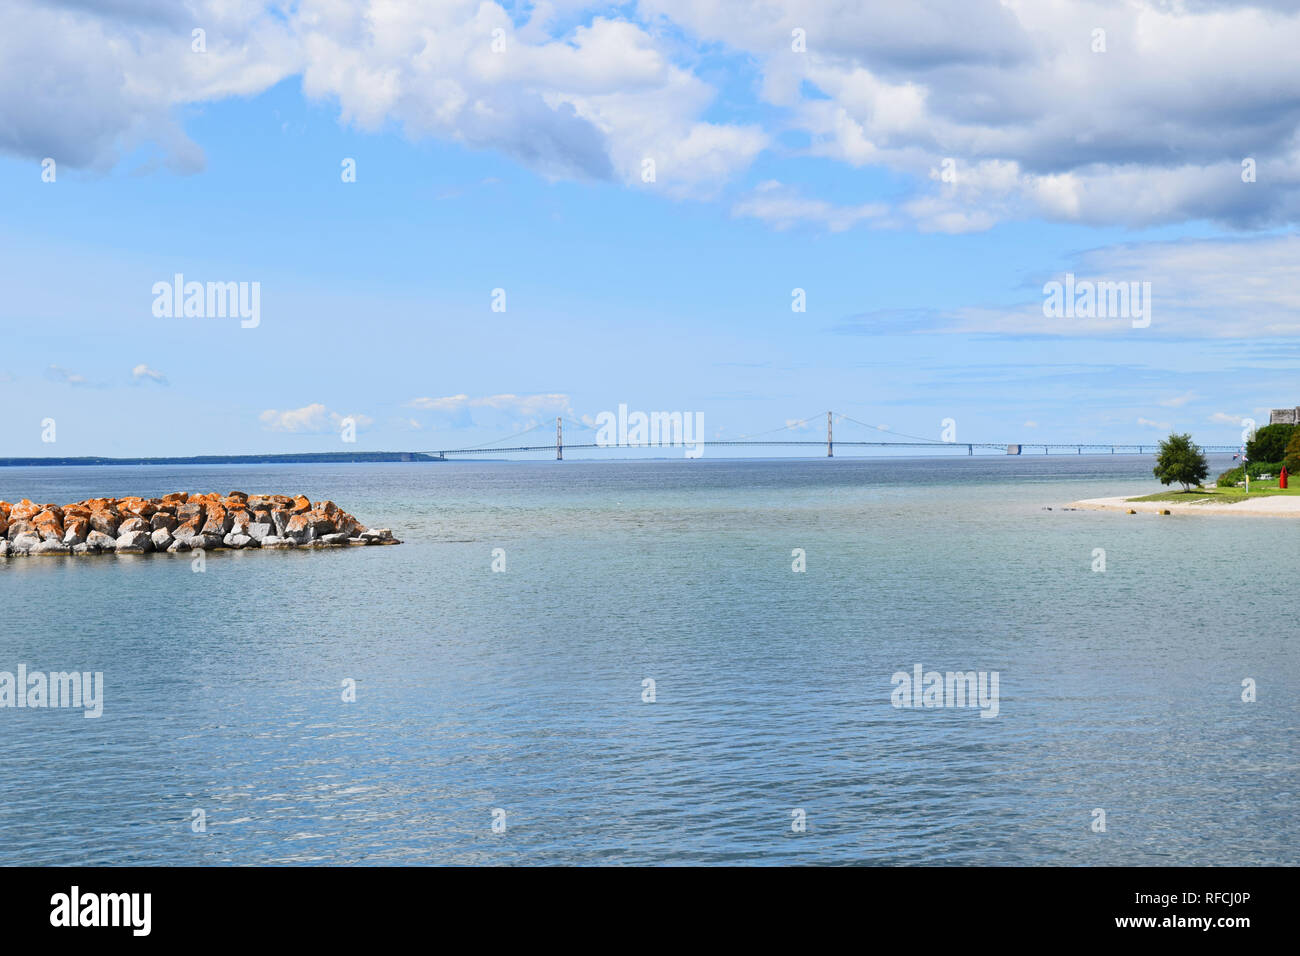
523	690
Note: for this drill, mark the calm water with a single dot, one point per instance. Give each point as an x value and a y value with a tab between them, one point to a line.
523	690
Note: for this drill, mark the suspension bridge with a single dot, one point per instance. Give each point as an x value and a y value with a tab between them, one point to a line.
775	439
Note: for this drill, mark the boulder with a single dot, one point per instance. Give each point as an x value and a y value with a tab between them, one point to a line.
134	523
75	530
24	542
20	526
219	521
280	517
259	530
275	541
308	526
233	540
192	511
300	504
347	524
49	524
179	545
161	538
4	547
105	521
52	547
205	542
24	510
334	540
163	520
187	530
133	542
378	536
4	525
140	507
98	541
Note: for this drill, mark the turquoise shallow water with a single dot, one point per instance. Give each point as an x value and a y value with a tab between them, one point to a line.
523	690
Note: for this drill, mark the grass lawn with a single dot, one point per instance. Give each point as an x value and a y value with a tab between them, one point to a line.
1227	496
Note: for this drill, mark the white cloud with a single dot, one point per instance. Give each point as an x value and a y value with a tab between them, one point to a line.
143	372
551	403
1200	289
1178	401
309	418
782	207
67	376
1148	423
1154	130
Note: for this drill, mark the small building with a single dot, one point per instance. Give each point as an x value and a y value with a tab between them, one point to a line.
1284	416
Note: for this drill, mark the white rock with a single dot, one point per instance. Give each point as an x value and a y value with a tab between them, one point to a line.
133	542
24	542
98	541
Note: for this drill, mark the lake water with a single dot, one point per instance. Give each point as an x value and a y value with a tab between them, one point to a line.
522	691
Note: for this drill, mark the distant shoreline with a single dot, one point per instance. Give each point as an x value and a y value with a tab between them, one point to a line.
308	458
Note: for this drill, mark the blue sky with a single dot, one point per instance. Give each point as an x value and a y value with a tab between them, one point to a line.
776	170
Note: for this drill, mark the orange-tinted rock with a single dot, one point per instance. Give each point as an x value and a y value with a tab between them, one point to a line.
75	529
133	523
24	510
219	521
300	504
105	522
192	511
187	529
309	526
162	520
49	525
136	506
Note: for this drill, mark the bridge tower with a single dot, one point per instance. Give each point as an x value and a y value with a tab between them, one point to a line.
559	440
830	445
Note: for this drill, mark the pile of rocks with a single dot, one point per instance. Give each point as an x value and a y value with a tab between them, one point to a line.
180	522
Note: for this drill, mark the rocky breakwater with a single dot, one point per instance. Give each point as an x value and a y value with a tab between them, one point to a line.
180	522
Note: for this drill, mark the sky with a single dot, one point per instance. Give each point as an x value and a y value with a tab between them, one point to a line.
559	208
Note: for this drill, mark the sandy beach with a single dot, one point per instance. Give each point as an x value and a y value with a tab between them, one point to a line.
1279	507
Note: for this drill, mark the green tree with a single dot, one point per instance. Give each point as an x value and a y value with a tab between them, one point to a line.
1270	442
1292	455
1181	461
